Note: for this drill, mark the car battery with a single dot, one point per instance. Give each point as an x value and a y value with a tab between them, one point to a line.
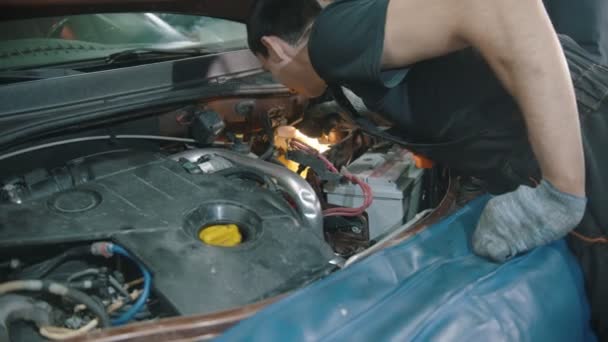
396	186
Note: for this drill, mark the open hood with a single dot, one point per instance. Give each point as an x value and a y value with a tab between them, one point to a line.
19	9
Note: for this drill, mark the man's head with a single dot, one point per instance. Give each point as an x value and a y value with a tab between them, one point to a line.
278	32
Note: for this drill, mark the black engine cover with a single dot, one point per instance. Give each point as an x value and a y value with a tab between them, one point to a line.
153	207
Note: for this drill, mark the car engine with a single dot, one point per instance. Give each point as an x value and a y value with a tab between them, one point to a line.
223	206
158	208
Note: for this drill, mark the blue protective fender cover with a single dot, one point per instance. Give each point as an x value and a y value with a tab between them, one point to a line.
432	287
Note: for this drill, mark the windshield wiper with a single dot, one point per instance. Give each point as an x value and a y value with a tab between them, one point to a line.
139	53
128	55
36	74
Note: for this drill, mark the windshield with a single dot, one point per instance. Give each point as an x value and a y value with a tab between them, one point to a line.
46	41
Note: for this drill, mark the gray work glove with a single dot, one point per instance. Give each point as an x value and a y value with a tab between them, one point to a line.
526	218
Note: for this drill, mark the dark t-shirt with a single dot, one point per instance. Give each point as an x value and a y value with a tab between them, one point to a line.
345	48
435	101
426	102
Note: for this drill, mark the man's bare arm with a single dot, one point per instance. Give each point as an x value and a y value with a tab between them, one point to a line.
518	41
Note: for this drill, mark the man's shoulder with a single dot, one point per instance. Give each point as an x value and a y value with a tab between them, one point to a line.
341	16
346	39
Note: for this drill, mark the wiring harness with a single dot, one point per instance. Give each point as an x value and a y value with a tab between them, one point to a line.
365	188
71	289
107	250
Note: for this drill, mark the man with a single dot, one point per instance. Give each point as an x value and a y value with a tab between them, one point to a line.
480	86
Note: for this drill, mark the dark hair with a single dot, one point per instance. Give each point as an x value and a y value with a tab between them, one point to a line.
286	19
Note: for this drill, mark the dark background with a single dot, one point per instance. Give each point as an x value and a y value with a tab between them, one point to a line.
586	21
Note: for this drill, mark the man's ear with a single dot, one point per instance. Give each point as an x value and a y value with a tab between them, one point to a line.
275	46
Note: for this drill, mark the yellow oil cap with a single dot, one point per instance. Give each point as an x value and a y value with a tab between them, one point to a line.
223	235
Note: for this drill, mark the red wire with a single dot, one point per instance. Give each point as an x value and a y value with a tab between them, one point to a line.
601	239
342	211
365	188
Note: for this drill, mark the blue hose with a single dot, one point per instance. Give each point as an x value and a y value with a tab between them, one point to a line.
143	297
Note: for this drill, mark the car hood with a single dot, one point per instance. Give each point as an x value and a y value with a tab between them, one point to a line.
19	9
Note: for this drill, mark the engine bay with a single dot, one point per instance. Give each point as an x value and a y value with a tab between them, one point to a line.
223	204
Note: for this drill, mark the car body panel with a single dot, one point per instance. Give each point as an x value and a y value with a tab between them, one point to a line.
433	288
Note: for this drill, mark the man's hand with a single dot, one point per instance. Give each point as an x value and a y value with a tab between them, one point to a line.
517	40
524	219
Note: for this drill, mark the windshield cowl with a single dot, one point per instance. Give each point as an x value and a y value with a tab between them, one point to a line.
54	42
